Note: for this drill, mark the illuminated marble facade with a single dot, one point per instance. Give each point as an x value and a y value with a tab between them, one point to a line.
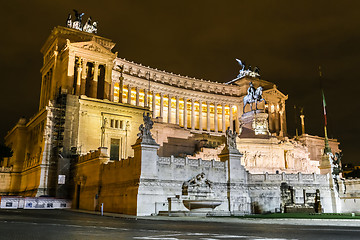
102	109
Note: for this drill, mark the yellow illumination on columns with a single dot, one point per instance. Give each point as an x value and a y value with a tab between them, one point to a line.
146	98
215	118
154	104
177	111
223	118
208	116
169	109
116	92
137	102
185	113
129	95
231	117
200	116
162	105
192	114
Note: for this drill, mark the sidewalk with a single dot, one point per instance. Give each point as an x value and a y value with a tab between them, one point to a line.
280	221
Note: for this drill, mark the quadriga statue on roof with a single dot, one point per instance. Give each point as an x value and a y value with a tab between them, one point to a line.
247	72
89	26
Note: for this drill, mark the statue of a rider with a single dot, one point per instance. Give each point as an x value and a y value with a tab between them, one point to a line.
251	91
253	96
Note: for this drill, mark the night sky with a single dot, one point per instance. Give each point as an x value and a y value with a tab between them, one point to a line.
287	40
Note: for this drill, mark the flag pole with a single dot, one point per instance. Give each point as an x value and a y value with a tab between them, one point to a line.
327	148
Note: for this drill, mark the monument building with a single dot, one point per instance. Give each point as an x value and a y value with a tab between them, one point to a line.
112	131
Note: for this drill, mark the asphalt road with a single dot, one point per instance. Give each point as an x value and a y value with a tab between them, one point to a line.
67	225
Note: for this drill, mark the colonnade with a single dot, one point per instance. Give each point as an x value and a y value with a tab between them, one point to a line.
190	113
90	79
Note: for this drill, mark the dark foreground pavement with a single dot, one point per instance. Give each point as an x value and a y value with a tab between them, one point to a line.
66	225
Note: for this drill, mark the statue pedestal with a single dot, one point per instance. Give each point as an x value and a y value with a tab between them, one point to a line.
256	121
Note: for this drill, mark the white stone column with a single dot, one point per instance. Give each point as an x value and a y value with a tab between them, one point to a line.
129	95
169	109
223	127
146	102
238	115
162	105
137	96
277	120
177	110
231	118
215	118
112	85
95	81
200	116
185	113
154	104
281	124
83	77
192	114
78	79
208	117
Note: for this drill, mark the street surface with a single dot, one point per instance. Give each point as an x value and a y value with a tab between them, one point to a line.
68	225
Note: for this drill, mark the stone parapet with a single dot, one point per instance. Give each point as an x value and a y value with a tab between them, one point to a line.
5	169
191	162
171	79
277	178
101	153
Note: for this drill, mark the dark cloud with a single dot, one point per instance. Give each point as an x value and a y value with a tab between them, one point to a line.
288	40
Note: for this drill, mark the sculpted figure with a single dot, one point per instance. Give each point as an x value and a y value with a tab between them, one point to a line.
231	138
251	91
88	27
94	27
248	72
336	168
253	96
145	133
69	21
78	18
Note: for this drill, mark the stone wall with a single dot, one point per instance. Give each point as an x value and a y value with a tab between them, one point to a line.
113	183
265	190
146	183
5	180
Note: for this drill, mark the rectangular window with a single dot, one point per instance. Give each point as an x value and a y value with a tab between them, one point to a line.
114	149
121	124
116	123
112	123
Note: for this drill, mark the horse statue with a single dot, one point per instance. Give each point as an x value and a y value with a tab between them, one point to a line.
255	97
